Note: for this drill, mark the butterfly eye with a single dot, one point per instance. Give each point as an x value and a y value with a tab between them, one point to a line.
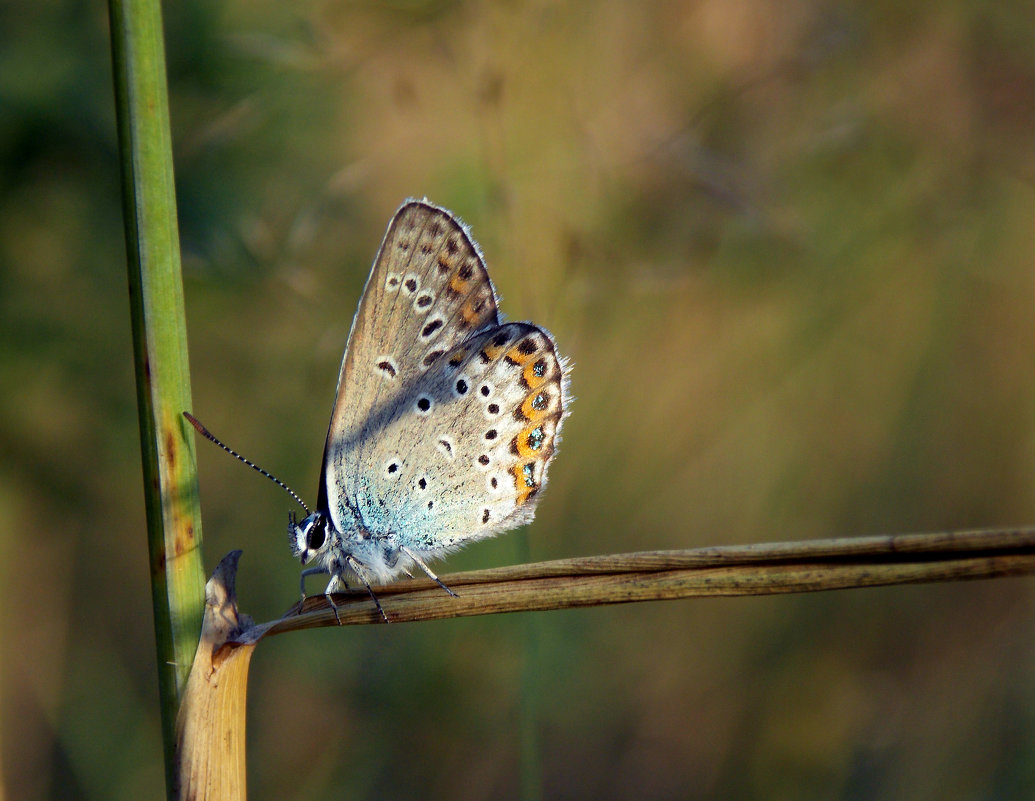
316	535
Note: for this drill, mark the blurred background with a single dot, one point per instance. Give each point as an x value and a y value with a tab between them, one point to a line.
788	247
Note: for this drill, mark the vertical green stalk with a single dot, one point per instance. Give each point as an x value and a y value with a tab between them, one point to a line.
160	346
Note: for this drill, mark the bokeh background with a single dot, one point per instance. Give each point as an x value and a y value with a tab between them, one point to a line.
788	247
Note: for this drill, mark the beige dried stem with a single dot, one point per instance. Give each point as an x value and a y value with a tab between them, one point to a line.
210	728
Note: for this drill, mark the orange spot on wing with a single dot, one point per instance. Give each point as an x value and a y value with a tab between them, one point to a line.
525	481
533	443
536	406
491	352
515	356
470	315
535	374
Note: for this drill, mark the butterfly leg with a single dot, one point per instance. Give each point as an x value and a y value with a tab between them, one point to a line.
311	571
334	585
423	566
359	570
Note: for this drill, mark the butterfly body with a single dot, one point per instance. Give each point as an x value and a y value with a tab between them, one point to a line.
444	420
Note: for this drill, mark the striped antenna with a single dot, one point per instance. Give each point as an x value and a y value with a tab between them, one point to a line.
212	438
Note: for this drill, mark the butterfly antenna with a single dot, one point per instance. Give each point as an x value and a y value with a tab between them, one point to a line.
212	438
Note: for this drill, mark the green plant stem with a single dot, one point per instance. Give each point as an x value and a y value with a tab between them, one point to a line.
160	346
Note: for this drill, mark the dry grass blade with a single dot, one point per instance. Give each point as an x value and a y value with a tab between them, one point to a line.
210	726
700	572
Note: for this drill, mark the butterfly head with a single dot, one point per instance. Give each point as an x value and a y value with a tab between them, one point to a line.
309	539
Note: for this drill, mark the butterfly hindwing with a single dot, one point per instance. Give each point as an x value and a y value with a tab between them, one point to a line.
468	457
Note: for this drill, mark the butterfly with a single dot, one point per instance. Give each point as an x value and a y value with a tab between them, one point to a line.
445	419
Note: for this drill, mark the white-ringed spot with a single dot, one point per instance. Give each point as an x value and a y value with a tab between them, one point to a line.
461	386
386	367
446	446
423	406
431	327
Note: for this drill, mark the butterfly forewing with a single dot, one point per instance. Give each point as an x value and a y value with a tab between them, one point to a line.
428	291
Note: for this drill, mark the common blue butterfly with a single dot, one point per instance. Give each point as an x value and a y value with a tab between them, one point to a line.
445	419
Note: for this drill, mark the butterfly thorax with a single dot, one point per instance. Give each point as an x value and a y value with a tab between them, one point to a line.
317	542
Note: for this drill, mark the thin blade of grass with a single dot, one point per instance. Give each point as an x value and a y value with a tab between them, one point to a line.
159	345
763	569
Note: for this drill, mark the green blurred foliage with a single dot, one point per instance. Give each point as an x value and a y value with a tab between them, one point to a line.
789	249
